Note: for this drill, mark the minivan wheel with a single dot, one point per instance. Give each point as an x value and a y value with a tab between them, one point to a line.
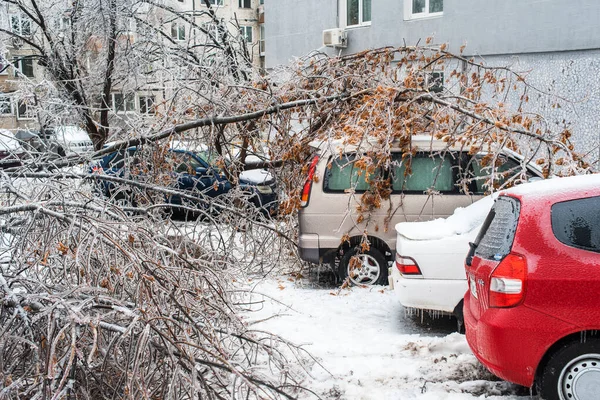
364	268
573	372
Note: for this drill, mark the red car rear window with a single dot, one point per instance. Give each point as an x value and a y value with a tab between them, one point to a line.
496	238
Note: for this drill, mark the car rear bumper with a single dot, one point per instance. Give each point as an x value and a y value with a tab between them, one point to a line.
511	342
428	294
309	250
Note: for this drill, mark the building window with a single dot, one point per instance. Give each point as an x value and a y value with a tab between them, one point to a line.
245	4
177	31
62	23
4	64
24	67
147	104
423	8
262	40
127	25
5	105
435	81
20	24
261	2
23	111
358	12
246	32
212	30
216	2
122	103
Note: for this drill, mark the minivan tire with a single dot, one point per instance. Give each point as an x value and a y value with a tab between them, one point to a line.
372	270
568	370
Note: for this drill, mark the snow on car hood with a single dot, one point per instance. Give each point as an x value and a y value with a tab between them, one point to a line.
256	176
8	141
463	220
70	133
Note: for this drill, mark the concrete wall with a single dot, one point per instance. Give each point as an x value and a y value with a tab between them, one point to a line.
294	27
558	40
572	77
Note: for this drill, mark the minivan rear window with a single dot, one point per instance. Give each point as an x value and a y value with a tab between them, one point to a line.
506	169
576	223
428	172
496	241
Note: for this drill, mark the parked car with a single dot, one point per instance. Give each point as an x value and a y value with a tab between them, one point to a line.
72	138
428	273
532	311
194	172
57	141
332	192
11	151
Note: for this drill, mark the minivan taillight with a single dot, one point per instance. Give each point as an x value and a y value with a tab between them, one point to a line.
507	282
309	180
407	265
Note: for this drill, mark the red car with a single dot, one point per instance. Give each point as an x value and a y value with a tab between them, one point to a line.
532	311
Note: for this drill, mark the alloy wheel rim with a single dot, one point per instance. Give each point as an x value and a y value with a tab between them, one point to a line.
365	272
580	378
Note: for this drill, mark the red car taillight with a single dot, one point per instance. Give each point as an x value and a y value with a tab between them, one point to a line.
309	180
407	265
507	282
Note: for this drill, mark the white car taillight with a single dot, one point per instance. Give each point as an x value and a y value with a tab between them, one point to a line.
507	282
407	265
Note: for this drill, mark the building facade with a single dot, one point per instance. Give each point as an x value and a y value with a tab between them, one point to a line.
155	79
556	42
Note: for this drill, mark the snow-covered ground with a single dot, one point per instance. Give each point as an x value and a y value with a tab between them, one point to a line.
369	348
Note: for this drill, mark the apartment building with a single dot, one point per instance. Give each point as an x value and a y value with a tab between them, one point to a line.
155	80
555	42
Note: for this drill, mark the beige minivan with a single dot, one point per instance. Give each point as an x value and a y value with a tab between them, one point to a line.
442	179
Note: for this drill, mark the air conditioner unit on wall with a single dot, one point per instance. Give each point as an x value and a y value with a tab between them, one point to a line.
336	37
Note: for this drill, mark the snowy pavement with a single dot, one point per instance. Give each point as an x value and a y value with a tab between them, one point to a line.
369	348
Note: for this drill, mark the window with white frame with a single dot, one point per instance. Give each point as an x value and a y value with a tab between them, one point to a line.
178	31
126	24
121	103
24	111
24	67
358	12
423	8
4	65
211	29
245	3
5	105
20	24
62	23
147	104
216	2
261	45
246	32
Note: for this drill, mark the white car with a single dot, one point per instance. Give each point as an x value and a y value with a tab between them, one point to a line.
429	272
72	138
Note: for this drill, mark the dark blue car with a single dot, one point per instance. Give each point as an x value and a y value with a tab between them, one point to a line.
192	172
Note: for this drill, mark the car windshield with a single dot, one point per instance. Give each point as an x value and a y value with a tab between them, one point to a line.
210	157
185	163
